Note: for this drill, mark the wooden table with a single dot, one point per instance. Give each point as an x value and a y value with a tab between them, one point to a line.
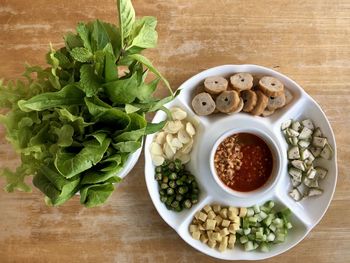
306	40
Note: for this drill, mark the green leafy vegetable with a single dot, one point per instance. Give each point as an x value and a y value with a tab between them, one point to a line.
76	122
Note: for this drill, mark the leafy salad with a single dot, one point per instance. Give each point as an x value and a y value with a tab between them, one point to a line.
76	122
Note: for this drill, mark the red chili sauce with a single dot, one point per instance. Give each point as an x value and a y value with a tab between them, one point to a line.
243	162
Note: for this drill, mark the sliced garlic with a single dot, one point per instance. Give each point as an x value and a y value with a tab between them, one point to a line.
184	158
169	151
173	126
160	139
178	113
183	136
187	147
157	160
190	129
176	143
156	149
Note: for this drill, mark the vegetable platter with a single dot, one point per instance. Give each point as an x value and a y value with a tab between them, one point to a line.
292	143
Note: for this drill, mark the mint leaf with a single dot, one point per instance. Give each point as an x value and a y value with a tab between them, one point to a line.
126	18
81	54
89	82
144	34
84	34
145	61
122	91
99	36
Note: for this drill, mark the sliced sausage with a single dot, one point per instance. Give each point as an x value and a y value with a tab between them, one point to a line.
203	104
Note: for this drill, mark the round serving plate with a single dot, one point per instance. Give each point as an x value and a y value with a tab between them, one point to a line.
305	214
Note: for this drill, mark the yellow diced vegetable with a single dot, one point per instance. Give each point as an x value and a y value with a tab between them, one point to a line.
207	208
202	216
242	212
196	235
224	232
211	215
193	228
225	223
211	243
223	244
216	208
223	213
218	220
210	224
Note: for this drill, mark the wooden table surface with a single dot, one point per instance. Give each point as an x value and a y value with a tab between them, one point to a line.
306	40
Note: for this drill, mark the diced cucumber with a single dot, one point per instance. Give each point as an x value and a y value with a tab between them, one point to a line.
247	231
304	143
293	153
327	152
314	191
264	247
250	211
286	124
271	237
243	239
289	225
295	194
310	183
296	174
311	173
321	172
249	246
296	126
305	154
292	133
315	151
319	142
308	124
317	132
280	238
256	209
305	133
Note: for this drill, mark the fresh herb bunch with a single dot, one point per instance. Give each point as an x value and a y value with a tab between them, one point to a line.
76	123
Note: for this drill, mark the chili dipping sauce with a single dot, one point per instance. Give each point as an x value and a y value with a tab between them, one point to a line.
243	162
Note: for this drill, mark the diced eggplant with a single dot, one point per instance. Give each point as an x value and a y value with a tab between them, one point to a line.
298	164
293	141
296	126
304	143
295	183
311	157
296	174
310	183
315	151
292	133
311	173
319	142
293	153
286	124
295	194
308	124
327	152
317	132
305	133
305	154
314	191
321	172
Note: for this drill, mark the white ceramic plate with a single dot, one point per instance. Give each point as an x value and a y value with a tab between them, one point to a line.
306	214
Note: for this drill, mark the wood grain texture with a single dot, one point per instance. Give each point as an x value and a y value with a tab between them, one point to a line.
306	40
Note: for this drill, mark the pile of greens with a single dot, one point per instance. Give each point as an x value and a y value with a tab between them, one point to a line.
77	122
